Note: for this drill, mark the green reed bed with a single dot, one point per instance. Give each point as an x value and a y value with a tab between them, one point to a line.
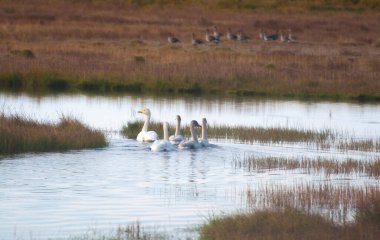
296	212
19	134
324	139
318	165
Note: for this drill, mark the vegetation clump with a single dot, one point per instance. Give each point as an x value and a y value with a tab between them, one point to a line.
19	135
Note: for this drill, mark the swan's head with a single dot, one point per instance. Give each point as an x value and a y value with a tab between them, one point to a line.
144	111
178	118
194	123
204	121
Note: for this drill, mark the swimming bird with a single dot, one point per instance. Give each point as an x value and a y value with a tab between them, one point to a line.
172	39
203	140
195	41
177	137
241	37
163	145
231	36
193	142
145	135
217	35
209	38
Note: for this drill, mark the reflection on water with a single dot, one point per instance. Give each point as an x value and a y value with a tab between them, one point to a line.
112	112
62	194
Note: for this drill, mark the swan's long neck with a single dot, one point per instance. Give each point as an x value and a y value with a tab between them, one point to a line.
166	132
146	123
204	130
193	133
177	127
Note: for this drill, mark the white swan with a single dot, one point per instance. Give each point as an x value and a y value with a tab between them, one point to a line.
145	135
203	140
177	137
193	143
163	145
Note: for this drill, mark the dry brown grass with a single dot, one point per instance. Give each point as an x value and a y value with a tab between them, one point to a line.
346	167
18	134
335	57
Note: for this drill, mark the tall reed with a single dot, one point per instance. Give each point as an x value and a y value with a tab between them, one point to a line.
19	134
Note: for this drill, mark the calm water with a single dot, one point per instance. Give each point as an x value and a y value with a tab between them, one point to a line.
55	195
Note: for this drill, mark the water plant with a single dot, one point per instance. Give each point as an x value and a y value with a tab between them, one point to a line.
19	134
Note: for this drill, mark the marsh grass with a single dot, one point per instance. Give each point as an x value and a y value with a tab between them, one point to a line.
324	139
302	212
310	166
112	47
19	134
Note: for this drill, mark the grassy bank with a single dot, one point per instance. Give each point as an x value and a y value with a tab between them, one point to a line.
18	135
326	166
324	139
110	47
295	213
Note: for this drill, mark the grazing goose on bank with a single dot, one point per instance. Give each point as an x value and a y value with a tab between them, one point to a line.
291	38
163	145
209	38
283	38
195	41
145	135
203	140
231	36
172	39
261	34
271	37
217	35
241	37
193	143
177	137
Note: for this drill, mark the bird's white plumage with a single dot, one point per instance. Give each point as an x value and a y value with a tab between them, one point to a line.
203	140
163	145
177	137
145	135
193	143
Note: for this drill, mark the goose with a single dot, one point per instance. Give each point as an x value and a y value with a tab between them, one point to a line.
291	38
163	145
241	37
271	37
195	41
210	38
193	143
145	135
261	34
172	39
231	36
177	137
217	35
203	140
283	38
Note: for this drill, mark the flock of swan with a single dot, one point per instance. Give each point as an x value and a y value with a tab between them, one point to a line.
174	141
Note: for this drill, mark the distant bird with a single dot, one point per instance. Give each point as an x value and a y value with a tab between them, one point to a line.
261	34
231	36
172	39
217	35
271	37
241	37
291	38
177	137
209	38
283	38
145	135
195	41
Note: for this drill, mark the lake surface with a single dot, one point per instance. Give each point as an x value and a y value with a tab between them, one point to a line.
54	195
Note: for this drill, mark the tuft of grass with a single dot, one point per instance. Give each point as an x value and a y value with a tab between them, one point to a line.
297	213
320	165
26	53
19	134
